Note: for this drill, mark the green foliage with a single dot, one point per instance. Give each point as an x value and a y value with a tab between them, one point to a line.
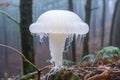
89	56
68	62
109	52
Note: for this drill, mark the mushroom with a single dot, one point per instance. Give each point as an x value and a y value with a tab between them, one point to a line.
58	25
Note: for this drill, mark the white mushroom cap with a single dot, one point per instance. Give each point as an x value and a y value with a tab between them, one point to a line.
59	21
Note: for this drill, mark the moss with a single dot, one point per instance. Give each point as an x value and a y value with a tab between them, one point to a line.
64	75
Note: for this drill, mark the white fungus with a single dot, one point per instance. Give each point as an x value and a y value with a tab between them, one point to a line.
58	25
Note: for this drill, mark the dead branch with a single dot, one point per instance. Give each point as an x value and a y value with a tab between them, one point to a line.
105	72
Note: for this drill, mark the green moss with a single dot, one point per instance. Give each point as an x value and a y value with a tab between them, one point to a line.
64	75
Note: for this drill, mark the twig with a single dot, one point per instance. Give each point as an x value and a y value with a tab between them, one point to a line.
21	54
41	70
105	73
7	15
87	75
44	68
29	75
102	76
38	72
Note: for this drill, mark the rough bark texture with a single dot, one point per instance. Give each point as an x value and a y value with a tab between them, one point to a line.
103	24
115	36
26	38
87	20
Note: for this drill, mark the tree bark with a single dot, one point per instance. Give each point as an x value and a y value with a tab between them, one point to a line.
115	29
70	7
103	24
26	38
87	20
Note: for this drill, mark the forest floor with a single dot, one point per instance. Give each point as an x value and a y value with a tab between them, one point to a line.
104	66
97	72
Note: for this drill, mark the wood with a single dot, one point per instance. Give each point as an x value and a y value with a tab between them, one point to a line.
115	29
26	37
87	20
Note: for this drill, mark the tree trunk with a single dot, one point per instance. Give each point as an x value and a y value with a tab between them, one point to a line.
94	23
26	38
87	20
70	7
103	25
115	29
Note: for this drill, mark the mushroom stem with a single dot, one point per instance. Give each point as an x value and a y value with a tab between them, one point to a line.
56	44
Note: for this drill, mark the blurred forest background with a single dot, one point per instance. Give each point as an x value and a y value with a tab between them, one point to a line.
16	15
